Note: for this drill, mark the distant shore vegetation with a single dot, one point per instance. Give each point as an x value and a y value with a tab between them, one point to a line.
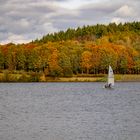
87	50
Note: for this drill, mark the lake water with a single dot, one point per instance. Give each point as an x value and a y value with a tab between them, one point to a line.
69	111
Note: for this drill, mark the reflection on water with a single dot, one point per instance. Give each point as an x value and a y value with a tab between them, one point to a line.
69	111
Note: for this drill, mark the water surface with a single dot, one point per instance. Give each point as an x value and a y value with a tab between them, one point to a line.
69	111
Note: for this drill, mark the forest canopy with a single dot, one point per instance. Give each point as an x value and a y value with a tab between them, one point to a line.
87	49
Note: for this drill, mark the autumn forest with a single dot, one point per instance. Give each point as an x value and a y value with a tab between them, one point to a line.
84	50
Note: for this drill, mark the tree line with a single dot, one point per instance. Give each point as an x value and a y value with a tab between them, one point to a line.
85	50
91	33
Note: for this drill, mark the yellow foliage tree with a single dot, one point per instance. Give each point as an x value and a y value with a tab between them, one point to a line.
86	61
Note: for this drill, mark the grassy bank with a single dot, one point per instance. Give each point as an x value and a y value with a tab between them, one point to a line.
128	77
118	78
7	76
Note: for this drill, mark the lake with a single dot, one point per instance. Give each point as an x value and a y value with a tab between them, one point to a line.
69	111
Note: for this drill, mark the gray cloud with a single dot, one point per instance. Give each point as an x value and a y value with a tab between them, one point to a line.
26	20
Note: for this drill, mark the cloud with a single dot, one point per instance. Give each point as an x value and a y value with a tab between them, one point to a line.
125	11
117	20
26	20
15	39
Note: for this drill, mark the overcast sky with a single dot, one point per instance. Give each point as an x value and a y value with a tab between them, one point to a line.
24	20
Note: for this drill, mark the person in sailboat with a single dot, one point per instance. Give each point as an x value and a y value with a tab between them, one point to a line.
110	82
108	85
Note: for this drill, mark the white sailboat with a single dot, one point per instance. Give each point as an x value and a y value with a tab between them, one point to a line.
110	81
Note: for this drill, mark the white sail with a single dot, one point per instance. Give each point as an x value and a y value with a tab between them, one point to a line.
110	76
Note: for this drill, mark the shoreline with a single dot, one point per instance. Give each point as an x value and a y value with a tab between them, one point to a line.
76	78
118	78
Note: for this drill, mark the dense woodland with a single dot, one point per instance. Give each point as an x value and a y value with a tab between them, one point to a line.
85	50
